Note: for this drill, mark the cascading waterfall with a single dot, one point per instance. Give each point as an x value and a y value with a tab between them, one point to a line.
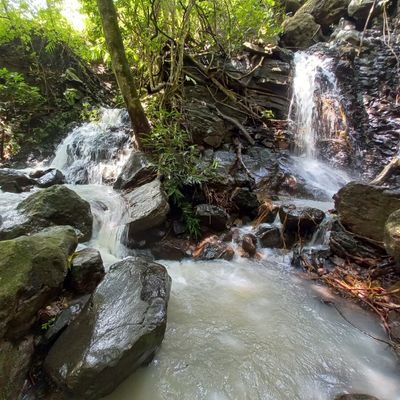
316	117
95	152
92	155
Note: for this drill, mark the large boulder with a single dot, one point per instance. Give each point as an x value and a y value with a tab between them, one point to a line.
269	236
364	209
137	171
57	205
148	208
14	181
300	31
392	235
117	333
32	269
14	364
86	272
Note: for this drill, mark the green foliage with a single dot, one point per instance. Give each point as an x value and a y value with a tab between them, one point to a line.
176	159
18	100
47	325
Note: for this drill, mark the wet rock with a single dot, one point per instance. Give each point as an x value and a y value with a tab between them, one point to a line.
14	181
300	31
249	244
355	397
86	271
269	236
392	235
48	177
119	332
137	171
171	249
64	319
212	217
300	221
148	208
57	205
32	269
212	248
245	201
364	209
291	6
311	260
14	365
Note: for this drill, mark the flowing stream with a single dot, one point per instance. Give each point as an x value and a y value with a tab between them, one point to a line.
236	330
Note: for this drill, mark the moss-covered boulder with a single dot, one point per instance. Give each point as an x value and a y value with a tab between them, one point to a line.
32	270
56	205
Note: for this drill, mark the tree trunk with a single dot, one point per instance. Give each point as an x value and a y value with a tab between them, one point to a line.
121	69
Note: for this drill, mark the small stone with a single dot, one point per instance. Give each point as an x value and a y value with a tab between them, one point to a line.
212	248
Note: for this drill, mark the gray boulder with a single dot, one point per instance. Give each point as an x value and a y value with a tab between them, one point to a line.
212	217
359	10
300	31
32	269
148	208
86	272
49	177
328	12
364	209
119	331
57	205
137	171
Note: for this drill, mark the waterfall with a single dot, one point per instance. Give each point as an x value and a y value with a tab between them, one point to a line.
317	121
95	152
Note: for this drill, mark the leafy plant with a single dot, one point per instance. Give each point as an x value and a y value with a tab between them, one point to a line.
176	158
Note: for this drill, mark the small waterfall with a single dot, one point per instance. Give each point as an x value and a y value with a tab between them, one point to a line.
95	152
318	121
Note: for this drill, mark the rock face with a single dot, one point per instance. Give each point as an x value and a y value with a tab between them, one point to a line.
86	271
392	235
14	181
364	209
212	248
328	12
57	205
137	171
300	31
148	208
118	332
14	364
212	217
359	9
32	268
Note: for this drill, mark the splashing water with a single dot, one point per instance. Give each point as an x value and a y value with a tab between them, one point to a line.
94	152
316	116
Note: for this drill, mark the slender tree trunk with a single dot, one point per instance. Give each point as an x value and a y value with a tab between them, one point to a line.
121	69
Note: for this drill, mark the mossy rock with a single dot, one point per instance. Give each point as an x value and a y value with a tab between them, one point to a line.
56	205
32	270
